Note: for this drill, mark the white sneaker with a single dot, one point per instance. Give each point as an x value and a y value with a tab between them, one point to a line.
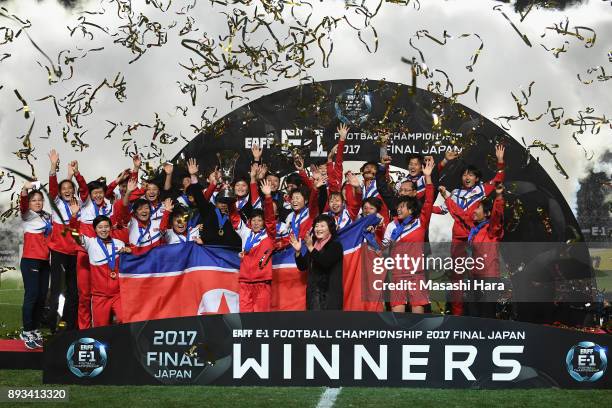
28	339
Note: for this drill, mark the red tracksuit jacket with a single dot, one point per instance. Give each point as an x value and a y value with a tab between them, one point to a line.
485	242
102	283
467	199
256	265
61	240
36	231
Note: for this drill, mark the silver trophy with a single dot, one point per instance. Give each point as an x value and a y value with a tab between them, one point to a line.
227	167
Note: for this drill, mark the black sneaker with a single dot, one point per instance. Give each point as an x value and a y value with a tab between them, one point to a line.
28	339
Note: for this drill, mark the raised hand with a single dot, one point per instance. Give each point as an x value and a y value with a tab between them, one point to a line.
320	181
428	168
131	186
54	159
308	242
212	177
137	161
124	175
168	206
262	171
387	160
74	165
266	187
70	171
74	207
450	154
343	131
295	243
499	189
352	179
499	152
168	168
257	152
192	167
254	171
314	172
442	191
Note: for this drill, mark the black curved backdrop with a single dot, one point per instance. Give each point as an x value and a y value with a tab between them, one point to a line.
307	116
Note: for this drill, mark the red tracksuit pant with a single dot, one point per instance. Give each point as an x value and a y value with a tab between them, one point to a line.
104	307
255	296
458	250
84	290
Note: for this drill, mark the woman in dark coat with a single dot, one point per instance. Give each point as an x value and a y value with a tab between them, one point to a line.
322	259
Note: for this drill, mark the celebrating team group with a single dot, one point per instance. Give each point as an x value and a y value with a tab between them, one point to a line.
74	247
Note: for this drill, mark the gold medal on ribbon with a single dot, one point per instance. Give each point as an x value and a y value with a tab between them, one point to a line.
221	232
113	275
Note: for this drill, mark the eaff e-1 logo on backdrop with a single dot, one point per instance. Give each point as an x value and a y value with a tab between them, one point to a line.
587	361
86	357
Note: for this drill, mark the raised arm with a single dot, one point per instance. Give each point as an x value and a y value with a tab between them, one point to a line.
24	205
110	190
496	223
53	187
429	193
383	187
458	213
253	190
168	169
269	217
353	195
500	176
83	190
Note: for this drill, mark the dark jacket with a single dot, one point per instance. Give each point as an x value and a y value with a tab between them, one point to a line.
324	288
208	219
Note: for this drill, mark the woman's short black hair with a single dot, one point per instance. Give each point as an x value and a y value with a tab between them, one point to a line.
417	156
33	193
303	190
66	181
94	185
374	202
472	169
156	182
139	203
293	178
369	163
177	212
331	224
99	219
241	177
412	203
256	212
336	193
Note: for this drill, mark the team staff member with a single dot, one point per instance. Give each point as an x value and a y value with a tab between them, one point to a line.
218	220
322	260
34	264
